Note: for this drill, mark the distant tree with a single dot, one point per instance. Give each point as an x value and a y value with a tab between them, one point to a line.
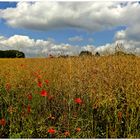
85	53
51	56
11	54
119	49
97	54
63	56
2	54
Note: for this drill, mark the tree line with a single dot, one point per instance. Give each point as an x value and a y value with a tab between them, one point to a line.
11	54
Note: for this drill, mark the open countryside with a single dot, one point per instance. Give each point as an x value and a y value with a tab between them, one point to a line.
70	72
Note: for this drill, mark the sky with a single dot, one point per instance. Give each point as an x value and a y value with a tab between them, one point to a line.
42	28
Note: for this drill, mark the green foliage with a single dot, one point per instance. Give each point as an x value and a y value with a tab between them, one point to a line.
85	53
11	54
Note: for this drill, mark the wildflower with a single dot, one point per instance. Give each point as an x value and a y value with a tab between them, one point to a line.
51	131
8	86
78	101
44	93
46	81
3	122
67	133
30	97
39	76
39	84
78	129
119	115
28	108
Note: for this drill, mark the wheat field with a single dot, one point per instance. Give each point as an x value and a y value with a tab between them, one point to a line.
76	97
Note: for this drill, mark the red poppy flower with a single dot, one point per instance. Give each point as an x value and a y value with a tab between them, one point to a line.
78	101
28	108
46	81
51	131
3	122
44	93
8	86
78	129
67	133
39	84
119	115
30	97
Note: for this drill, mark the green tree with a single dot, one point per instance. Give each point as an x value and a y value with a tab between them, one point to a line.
11	54
85	53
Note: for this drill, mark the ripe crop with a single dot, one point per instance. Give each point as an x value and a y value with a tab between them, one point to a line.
78	97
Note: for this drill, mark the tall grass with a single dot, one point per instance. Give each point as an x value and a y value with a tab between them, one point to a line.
84	97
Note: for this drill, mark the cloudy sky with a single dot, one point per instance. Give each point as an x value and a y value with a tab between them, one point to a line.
43	28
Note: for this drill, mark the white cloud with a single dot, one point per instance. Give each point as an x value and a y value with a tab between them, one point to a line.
33	48
120	35
130	37
2	38
18	41
91	16
129	46
90	48
75	39
106	49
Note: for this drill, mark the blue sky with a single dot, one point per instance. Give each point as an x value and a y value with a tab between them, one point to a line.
54	27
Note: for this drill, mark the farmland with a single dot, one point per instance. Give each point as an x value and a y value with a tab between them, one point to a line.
79	97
